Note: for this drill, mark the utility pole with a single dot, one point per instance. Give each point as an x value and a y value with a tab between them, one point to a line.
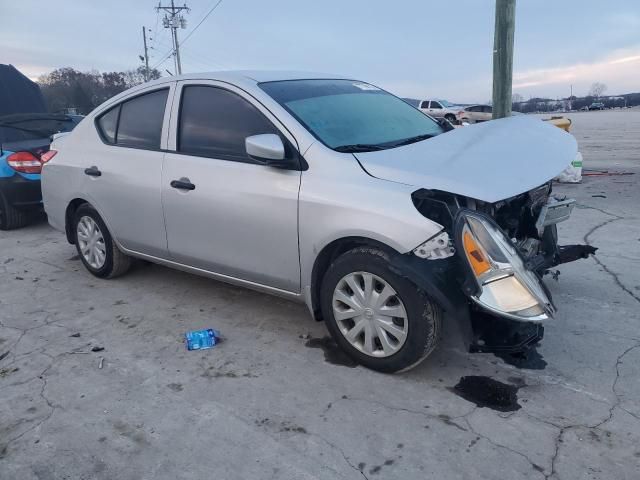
174	19
146	55
503	57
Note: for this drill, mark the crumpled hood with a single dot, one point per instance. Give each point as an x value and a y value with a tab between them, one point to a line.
488	161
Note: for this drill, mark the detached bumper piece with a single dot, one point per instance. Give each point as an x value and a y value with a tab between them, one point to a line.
497	335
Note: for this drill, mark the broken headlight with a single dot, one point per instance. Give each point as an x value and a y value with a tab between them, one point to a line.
505	286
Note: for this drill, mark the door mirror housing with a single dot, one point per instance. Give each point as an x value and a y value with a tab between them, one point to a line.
267	149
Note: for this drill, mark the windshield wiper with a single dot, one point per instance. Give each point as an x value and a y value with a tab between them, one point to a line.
358	147
410	140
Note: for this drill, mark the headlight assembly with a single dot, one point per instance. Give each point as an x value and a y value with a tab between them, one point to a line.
505	286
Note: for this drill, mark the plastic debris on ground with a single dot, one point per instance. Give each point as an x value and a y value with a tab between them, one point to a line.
573	173
202	339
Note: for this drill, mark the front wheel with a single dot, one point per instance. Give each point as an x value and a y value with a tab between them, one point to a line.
451	118
378	317
96	247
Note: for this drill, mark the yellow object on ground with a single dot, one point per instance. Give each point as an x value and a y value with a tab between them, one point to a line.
560	122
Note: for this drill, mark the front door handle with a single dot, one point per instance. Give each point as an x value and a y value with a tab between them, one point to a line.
92	171
183	184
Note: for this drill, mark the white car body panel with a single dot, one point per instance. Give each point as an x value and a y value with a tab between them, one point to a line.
490	161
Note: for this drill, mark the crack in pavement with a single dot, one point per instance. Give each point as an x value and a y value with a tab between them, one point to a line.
614	275
42	377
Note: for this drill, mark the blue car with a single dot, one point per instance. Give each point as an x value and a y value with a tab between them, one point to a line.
24	147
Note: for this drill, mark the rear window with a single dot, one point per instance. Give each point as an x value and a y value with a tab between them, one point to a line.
108	123
137	122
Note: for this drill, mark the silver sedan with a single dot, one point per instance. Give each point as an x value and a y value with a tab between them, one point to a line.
324	190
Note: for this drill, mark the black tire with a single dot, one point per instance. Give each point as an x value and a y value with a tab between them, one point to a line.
116	263
10	217
451	118
423	314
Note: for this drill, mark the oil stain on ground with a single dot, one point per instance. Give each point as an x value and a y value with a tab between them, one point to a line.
332	353
487	392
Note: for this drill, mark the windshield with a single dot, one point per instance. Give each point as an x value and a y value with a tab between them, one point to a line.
446	104
351	116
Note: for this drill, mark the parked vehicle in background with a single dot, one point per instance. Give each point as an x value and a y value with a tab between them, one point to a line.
439	109
323	190
24	147
597	106
475	114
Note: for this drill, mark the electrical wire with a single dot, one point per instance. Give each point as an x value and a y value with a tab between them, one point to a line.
200	23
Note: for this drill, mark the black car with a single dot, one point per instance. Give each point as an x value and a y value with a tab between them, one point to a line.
24	147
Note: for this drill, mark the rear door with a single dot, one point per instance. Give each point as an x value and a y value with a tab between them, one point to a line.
122	172
487	113
241	218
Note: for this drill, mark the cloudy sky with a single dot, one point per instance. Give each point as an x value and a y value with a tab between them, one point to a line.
417	48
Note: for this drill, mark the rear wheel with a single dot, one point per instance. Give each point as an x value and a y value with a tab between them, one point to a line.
381	319
10	217
96	247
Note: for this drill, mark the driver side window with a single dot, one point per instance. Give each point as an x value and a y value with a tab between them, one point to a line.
214	122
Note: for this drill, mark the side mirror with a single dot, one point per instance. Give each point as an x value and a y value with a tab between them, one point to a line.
267	149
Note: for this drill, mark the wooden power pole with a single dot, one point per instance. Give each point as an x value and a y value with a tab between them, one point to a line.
503	57
146	55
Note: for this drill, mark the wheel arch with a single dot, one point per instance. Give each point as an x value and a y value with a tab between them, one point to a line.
328	254
69	213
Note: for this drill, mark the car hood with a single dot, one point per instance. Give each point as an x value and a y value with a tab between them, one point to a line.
489	161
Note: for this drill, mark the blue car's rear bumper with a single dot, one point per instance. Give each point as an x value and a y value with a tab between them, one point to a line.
20	190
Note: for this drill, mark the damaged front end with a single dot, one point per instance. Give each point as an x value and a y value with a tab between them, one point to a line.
502	249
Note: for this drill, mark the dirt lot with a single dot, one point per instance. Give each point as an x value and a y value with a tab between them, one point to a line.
271	403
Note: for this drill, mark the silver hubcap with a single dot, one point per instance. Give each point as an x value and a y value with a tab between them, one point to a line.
370	314
91	242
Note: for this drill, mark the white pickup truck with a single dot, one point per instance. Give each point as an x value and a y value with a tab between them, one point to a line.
440	109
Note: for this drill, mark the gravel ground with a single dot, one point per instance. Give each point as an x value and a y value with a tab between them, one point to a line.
275	400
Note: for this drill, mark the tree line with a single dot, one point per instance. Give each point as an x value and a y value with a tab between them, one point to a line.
67	88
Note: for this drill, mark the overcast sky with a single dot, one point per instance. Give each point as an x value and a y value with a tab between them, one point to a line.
416	48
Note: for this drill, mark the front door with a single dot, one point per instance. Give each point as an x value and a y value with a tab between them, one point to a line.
229	215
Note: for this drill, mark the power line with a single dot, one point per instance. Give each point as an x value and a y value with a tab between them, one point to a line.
200	23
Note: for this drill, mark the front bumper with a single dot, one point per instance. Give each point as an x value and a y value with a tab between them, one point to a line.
21	193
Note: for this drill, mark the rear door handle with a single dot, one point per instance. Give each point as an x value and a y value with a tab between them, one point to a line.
183	184
92	171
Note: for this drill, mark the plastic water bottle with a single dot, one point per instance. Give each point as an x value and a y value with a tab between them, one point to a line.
202	339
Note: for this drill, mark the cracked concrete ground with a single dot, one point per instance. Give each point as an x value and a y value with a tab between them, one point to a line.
263	405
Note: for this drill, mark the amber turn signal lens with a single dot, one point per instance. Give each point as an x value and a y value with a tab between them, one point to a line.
478	261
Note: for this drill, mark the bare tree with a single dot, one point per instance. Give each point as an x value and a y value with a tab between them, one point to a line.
517	98
597	89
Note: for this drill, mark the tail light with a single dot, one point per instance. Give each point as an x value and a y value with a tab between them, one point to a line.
461	112
24	162
48	155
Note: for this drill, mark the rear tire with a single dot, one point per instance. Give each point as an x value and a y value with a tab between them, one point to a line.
400	341
10	217
95	246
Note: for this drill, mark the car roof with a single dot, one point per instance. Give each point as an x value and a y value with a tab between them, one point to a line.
255	76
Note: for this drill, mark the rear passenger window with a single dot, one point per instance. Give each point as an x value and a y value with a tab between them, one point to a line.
425	104
141	118
215	122
108	123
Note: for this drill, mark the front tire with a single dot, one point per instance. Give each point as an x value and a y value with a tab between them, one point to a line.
379	318
96	247
451	118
